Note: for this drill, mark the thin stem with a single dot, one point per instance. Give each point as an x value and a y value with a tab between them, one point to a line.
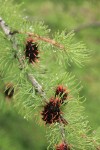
62	130
48	40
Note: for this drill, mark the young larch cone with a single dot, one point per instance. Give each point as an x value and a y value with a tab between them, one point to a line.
62	146
9	91
52	112
31	50
62	93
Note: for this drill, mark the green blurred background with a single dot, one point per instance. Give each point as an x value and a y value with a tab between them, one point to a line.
60	15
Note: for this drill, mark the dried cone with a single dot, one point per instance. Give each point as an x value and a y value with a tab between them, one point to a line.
52	112
31	50
62	93
62	146
9	91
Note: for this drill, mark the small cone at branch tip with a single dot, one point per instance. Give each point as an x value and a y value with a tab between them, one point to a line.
9	91
51	112
62	146
31	50
62	93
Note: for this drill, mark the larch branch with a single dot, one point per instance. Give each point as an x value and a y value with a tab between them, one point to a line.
34	82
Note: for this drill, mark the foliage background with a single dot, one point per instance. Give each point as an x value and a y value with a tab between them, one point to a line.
59	15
